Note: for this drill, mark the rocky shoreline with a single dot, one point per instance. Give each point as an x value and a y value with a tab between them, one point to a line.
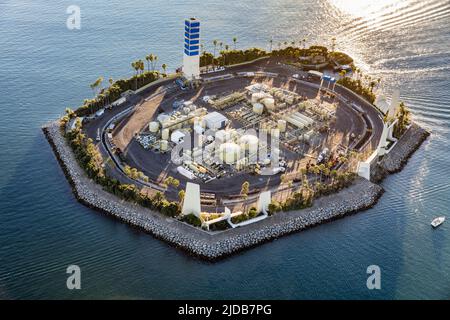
361	195
398	157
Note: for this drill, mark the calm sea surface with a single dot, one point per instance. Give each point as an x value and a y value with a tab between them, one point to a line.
44	68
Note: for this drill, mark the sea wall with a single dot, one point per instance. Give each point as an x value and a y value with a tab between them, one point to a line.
397	158
360	196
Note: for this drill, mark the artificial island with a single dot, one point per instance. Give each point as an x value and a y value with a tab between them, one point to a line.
234	149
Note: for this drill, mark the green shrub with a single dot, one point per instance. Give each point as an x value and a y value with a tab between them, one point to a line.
192	219
274	207
358	87
252	213
231	57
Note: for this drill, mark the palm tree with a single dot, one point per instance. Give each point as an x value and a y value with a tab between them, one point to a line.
155	59
215	45
271	44
304	43
245	189
141	68
181	195
234	42
333	44
135	65
224	53
148	58
164	67
96	84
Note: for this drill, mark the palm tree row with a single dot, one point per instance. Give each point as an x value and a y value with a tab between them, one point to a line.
151	59
292	43
139	67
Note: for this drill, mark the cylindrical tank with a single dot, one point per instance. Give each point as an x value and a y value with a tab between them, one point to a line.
193	167
258	96
163	117
249	142
153	126
229	152
164	145
269	103
258	108
282	125
165	133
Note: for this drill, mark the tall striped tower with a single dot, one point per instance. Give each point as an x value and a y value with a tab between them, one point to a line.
191	56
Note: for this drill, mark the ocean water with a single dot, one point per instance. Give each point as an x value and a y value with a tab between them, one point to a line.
45	67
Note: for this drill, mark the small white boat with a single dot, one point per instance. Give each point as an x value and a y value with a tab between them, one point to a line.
437	222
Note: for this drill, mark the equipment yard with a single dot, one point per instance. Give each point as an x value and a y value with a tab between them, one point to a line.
262	127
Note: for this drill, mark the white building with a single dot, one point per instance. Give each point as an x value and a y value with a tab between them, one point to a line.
177	136
215	120
191	56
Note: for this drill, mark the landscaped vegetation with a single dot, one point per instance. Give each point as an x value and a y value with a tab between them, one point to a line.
403	116
114	91
229	57
303	57
135	174
192	219
327	181
106	95
357	86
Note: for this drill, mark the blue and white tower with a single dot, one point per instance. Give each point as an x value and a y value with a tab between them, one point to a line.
191	56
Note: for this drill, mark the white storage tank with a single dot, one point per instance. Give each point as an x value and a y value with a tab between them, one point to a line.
223	135
164	145
187	103
165	134
153	126
282	125
249	142
269	103
258	108
163	118
229	153
199	129
257	96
